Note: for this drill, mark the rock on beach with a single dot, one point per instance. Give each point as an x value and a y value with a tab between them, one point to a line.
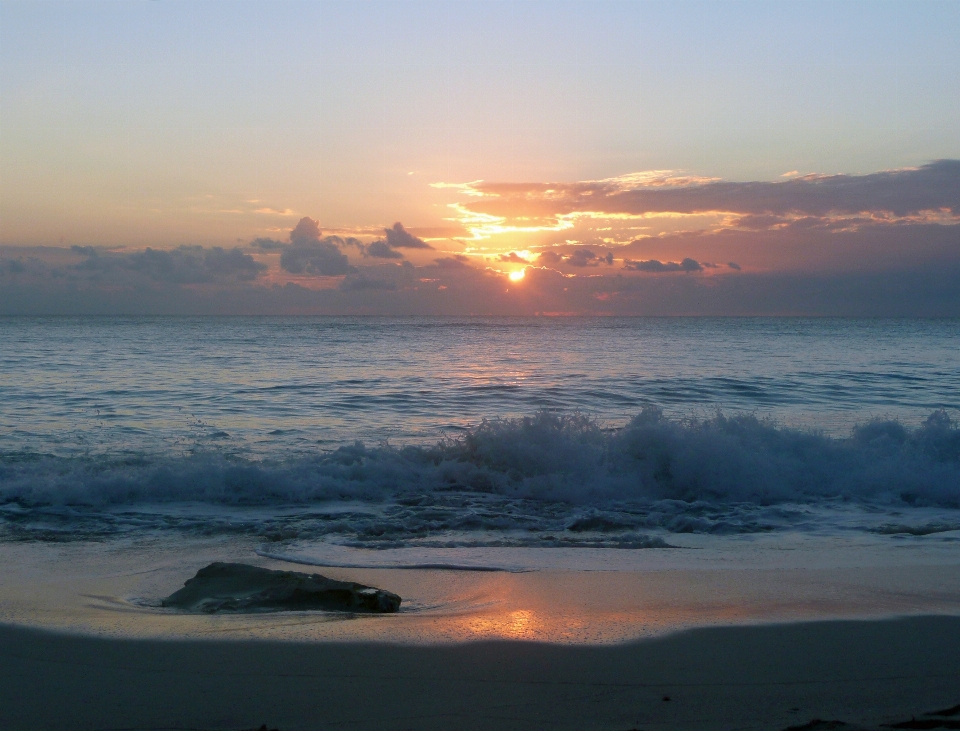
237	587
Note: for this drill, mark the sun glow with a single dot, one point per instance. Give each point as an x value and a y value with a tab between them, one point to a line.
517	275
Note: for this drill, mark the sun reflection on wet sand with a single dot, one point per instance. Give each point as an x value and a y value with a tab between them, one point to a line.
102	591
516	625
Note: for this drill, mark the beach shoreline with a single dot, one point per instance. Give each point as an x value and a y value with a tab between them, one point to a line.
768	632
863	673
115	589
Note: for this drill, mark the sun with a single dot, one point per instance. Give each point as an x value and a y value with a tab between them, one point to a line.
517	275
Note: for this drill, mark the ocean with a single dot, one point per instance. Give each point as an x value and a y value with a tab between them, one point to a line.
420	432
564	480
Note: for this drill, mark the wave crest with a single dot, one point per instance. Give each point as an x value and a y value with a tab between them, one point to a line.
543	472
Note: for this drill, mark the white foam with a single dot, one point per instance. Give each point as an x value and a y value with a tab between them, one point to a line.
561	474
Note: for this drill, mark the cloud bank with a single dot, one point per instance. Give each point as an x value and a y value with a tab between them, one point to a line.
62	282
888	220
916	192
183	265
883	244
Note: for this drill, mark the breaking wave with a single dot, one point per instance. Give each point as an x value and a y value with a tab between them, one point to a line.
564	477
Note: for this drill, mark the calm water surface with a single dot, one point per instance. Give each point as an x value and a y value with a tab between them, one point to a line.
70	386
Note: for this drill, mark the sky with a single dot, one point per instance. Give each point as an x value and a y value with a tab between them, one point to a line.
457	158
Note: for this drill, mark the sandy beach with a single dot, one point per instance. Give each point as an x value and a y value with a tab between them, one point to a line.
863	673
84	644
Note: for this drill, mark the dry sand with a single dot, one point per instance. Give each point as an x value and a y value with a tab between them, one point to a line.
865	673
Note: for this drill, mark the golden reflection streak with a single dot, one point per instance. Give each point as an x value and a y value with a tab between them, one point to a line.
515	625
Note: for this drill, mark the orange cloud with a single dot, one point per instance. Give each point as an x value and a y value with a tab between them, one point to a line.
930	193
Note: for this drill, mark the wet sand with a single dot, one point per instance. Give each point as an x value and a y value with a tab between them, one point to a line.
115	588
863	673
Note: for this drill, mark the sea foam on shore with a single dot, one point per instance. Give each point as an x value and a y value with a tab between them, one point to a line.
548	479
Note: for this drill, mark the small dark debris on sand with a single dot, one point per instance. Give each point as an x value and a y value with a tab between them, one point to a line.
237	587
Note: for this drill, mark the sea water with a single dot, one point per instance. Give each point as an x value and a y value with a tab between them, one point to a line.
477	445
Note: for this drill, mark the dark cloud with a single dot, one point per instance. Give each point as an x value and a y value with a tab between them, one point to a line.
304	237
306	231
549	257
513	258
341	242
575	257
183	265
399	238
381	250
581	258
309	254
267	244
659	267
733	265
457	261
315	257
220	263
